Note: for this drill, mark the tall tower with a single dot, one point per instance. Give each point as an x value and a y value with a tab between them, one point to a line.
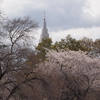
45	33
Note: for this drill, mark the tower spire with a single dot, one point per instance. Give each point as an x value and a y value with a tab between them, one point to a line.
45	33
44	24
44	15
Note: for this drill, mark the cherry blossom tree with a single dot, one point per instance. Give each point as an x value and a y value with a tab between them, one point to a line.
71	75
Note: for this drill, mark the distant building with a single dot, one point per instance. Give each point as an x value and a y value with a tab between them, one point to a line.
45	33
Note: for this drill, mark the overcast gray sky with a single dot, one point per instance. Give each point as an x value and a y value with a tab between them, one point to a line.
76	17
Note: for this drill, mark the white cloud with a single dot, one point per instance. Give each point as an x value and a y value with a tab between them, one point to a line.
60	14
76	17
79	33
93	33
93	7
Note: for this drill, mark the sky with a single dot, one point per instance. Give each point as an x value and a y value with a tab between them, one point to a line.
78	18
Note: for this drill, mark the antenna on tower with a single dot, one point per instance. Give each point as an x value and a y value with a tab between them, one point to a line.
44	15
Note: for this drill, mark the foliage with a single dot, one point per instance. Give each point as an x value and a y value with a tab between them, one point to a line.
69	43
14	74
87	43
46	43
63	75
96	48
32	59
70	75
